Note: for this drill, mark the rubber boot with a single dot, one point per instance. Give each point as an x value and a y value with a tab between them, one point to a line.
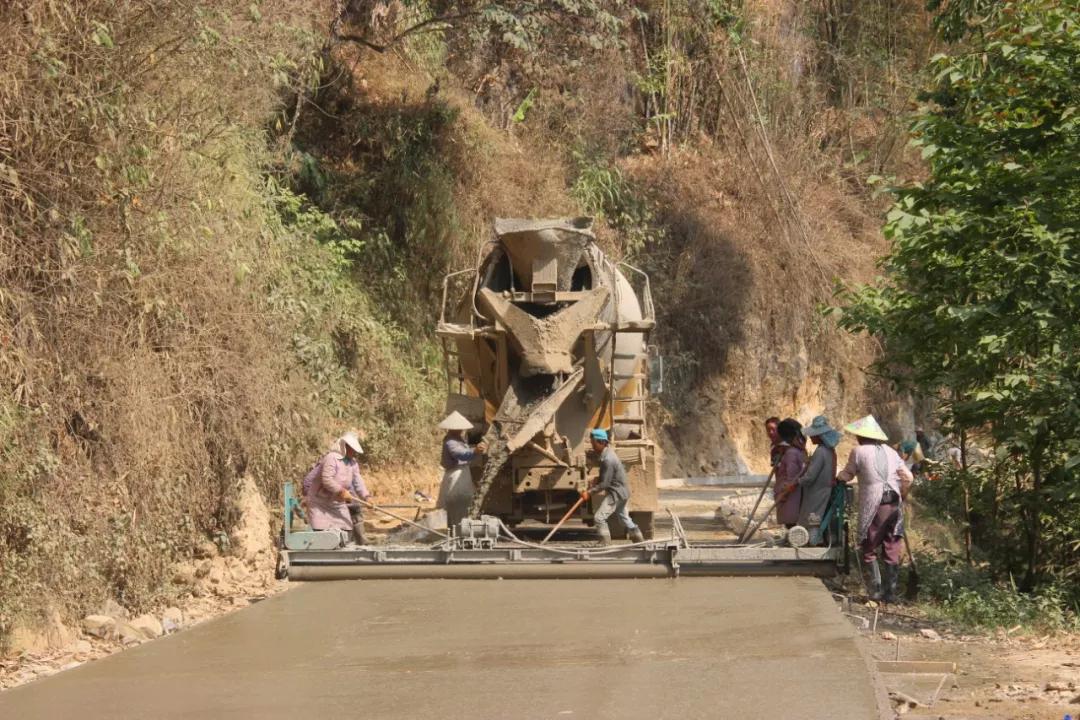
872	579
604	534
358	531
891	582
636	536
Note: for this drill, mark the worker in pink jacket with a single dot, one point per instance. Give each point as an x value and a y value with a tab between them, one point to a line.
789	467
336	486
883	482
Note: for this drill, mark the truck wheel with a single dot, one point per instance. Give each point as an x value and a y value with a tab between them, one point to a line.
644	520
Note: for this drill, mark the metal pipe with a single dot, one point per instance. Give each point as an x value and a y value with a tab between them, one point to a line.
478	571
555	571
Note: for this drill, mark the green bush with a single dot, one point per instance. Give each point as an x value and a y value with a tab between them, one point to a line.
969	597
603	191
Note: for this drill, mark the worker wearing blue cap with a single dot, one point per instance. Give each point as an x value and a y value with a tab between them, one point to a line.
614	489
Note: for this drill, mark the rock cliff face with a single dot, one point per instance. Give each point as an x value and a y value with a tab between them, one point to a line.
739	302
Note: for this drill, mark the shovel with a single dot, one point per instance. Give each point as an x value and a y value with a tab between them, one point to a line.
565	517
384	511
744	535
911	592
751	530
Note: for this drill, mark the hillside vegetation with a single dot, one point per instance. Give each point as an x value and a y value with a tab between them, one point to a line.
172	315
224	227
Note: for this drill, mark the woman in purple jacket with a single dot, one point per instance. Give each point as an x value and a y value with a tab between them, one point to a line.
792	462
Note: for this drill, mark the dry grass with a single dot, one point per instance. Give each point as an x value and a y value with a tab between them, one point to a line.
491	174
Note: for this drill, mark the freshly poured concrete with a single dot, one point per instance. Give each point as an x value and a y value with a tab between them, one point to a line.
737	648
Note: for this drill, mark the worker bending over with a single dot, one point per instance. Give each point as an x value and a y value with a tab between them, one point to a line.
337	485
883	481
614	488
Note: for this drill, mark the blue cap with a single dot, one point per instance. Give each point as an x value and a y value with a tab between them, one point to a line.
599	434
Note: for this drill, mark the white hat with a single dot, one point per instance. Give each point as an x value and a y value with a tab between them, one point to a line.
349	440
456	421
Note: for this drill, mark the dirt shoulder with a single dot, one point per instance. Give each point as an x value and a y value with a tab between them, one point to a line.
1001	676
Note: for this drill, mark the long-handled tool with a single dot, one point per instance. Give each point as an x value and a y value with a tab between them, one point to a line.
565	517
376	508
911	592
758	523
744	535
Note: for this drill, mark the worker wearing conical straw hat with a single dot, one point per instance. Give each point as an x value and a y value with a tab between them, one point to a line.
456	489
883	482
333	484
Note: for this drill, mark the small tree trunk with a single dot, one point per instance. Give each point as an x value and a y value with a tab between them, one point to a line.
1034	534
967	495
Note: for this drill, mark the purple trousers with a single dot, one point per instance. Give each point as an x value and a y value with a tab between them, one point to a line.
882	533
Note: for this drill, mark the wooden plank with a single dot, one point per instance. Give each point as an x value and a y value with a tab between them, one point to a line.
915	666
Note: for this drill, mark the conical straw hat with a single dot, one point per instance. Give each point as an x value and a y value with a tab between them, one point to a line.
456	421
866	427
349	439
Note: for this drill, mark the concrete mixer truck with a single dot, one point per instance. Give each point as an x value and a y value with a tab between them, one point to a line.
544	340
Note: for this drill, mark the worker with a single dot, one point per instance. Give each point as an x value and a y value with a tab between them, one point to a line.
911	453
789	468
923	440
338	485
456	489
883	482
955	456
775	451
613	487
818	478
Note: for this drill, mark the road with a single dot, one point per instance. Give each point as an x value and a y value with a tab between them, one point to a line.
742	648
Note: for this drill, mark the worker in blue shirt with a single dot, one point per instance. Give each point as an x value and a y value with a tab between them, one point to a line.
613	488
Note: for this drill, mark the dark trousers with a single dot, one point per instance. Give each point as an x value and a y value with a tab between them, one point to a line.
882	533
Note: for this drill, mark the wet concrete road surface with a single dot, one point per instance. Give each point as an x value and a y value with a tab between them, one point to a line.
737	648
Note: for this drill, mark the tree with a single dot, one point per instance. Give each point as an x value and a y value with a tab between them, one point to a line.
980	301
